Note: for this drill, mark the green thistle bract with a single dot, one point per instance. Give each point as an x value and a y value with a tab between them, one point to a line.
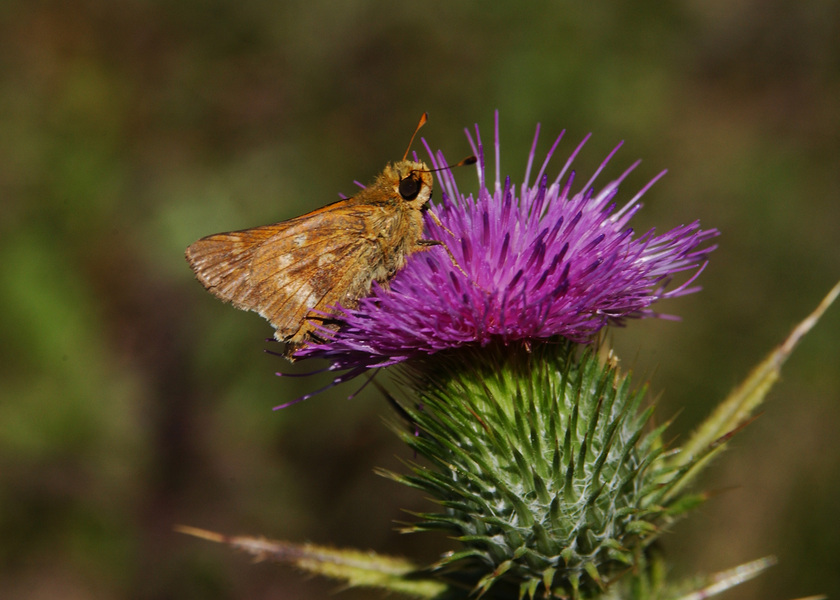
543	464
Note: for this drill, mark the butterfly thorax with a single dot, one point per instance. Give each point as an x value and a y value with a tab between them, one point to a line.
393	219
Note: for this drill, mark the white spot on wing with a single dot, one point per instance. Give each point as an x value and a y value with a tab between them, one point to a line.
280	281
303	294
326	259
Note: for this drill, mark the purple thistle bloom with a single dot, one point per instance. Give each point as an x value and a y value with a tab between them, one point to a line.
542	263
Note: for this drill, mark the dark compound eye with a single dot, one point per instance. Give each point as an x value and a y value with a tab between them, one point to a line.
409	188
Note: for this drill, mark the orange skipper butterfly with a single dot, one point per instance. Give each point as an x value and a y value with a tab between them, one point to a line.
293	273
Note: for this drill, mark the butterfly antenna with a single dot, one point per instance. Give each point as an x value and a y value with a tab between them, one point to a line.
470	160
423	119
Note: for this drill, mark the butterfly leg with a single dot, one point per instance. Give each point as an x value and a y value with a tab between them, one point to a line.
439	224
426	244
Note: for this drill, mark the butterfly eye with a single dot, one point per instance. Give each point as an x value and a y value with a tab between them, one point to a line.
409	188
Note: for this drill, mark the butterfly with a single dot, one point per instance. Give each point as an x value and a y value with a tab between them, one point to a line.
296	272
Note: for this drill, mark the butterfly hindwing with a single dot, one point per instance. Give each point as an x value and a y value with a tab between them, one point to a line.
222	263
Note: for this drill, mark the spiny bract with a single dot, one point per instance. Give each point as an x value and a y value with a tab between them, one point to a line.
544	466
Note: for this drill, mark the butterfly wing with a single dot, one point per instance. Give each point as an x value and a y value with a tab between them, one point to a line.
222	263
286	270
315	262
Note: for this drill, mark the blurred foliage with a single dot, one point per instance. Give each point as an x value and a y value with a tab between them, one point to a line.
131	400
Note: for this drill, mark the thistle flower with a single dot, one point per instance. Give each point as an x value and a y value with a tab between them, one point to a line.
532	265
541	456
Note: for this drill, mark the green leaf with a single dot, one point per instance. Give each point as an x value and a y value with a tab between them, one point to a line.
724	580
355	568
735	411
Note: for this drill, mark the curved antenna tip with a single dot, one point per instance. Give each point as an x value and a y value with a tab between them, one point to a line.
423	118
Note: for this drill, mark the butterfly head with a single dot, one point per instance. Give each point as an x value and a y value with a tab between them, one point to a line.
411	181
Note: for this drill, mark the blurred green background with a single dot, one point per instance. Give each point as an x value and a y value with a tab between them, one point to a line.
131	400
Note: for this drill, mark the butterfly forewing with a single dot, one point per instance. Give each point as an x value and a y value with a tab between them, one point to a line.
292	271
